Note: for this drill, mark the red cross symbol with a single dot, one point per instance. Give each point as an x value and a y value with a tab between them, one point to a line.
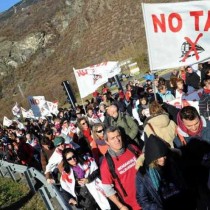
193	47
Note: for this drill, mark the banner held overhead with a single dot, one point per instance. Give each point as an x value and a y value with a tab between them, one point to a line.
92	77
178	34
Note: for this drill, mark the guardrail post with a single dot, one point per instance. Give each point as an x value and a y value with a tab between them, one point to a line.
60	199
44	194
1	173
29	180
47	191
11	173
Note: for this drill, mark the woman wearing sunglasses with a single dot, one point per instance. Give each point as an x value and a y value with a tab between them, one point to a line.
85	138
98	137
80	183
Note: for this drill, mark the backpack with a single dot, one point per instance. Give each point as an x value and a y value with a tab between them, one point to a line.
111	166
139	143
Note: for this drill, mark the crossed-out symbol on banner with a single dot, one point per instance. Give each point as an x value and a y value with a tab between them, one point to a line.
96	77
192	48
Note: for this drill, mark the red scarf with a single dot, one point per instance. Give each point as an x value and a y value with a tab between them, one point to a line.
207	91
87	134
190	133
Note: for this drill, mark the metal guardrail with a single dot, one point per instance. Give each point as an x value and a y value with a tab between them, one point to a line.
47	191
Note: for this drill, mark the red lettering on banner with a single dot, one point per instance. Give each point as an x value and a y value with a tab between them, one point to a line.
34	101
82	72
171	18
157	22
175	21
196	15
207	26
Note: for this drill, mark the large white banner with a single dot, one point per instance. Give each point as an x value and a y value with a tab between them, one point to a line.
92	77
178	34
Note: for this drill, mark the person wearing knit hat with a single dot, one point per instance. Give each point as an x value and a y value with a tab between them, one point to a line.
159	182
58	141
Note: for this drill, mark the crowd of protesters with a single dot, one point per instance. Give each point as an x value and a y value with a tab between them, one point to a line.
129	150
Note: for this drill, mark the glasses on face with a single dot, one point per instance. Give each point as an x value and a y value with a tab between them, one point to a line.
100	131
70	158
83	123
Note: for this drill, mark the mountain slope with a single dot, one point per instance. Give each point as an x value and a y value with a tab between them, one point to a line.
42	40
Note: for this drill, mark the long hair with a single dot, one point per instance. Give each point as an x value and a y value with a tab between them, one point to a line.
66	164
94	129
79	120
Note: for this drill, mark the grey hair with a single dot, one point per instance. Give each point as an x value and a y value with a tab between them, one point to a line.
111	129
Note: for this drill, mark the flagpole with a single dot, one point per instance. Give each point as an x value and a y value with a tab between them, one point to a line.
153	86
83	106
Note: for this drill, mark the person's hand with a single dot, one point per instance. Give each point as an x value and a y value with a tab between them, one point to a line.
139	161
50	181
123	208
83	181
72	201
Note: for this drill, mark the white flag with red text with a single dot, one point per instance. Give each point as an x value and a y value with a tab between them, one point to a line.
177	33
92	77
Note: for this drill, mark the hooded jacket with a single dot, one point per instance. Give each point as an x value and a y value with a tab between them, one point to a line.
163	127
158	192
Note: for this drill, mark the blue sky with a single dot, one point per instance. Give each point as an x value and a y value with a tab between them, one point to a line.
6	4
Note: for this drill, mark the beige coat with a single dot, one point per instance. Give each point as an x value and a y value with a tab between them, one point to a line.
163	127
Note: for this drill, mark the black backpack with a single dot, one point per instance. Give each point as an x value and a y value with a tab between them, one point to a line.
111	166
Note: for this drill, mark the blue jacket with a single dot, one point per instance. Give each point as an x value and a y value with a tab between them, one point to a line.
150	77
146	194
168	96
